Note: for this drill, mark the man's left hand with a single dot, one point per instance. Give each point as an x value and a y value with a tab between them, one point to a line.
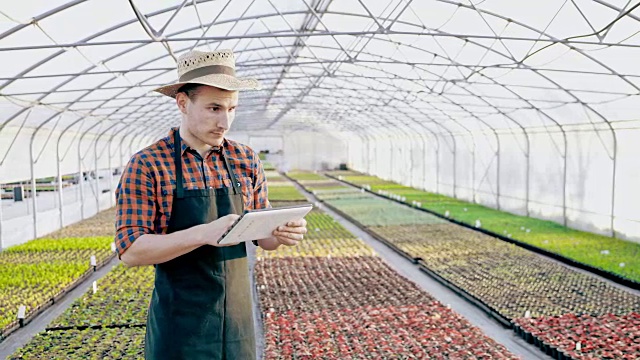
291	233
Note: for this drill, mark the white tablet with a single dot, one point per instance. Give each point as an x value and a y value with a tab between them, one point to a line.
260	224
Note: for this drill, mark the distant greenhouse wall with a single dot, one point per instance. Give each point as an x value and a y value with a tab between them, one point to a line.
526	177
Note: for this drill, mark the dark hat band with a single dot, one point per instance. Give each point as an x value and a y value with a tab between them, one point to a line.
207	70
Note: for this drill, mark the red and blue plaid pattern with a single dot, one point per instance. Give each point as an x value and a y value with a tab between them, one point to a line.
145	193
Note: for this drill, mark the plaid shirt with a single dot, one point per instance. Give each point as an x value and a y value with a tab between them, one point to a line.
145	193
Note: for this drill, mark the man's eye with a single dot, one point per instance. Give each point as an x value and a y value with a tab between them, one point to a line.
214	108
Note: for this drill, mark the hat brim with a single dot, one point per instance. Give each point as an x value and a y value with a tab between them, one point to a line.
221	81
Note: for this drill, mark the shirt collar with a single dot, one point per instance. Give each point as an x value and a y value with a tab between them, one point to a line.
184	147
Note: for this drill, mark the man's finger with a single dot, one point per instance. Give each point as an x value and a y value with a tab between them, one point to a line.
295	230
297	223
287	241
290	235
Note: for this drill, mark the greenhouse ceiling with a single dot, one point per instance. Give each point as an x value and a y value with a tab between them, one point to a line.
442	66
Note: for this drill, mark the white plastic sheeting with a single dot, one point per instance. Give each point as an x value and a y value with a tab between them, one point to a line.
531	107
577	189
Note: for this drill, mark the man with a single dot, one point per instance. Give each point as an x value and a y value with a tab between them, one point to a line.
174	201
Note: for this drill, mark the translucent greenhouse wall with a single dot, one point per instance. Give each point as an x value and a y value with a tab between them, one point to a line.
77	152
537	180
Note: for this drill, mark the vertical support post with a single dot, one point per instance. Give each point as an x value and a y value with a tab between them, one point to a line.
33	189
81	181
110	173
437	165
564	180
498	166
373	155
423	182
528	181
97	179
59	174
390	140
455	166
60	197
363	164
613	184
368	153
473	171
377	159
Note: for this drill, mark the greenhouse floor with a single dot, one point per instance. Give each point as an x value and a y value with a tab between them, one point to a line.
470	312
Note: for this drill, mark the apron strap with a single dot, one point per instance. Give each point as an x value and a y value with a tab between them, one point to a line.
177	160
234	181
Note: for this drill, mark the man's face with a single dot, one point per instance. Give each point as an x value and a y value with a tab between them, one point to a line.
209	115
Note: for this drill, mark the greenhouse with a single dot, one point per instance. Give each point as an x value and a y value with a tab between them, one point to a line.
470	166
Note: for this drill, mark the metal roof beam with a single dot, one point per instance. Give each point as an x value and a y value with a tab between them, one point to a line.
572	43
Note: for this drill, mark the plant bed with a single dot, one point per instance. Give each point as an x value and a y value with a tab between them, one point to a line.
277	203
327	194
611	255
371	211
314	283
38	272
273	176
268	166
120	343
606	336
304	175
358	308
334	247
323	226
122	298
323	183
509	279
285	193
404	332
522	283
101	224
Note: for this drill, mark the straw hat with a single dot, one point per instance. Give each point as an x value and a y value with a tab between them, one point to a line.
217	68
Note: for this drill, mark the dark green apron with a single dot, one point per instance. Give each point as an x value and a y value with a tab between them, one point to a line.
201	306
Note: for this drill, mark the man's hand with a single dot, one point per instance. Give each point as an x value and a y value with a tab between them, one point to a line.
291	233
211	232
151	249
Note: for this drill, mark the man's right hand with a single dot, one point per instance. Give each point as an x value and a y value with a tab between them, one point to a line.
211	232
151	249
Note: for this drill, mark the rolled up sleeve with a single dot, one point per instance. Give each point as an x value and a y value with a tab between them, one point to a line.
135	203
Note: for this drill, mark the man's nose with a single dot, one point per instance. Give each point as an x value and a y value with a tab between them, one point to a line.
224	121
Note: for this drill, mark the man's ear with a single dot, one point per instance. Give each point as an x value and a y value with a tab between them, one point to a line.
181	101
